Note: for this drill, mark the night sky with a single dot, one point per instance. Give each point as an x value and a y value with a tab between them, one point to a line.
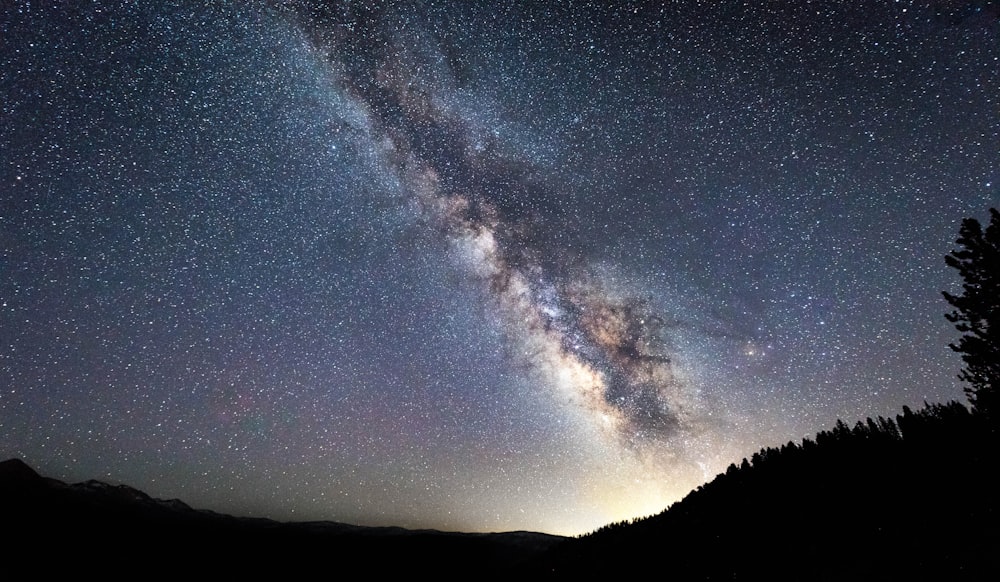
472	266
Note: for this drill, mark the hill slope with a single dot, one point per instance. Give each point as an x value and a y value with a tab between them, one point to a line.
912	499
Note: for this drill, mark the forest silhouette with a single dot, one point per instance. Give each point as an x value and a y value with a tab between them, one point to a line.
910	498
906	498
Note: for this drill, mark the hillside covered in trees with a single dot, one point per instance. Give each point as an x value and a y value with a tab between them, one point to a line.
910	498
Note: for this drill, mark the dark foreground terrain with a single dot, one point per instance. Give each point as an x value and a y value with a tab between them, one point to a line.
907	499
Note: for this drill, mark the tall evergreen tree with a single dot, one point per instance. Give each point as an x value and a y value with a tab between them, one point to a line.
977	311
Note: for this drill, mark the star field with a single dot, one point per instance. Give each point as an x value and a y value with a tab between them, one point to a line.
540	266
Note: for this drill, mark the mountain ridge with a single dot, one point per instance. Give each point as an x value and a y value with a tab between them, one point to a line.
906	498
113	530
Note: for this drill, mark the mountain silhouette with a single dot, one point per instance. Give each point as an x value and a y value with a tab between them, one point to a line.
910	498
93	529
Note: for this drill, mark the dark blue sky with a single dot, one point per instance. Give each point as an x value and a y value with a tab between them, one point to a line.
540	266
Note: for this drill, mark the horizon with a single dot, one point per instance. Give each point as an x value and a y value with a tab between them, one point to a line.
538	267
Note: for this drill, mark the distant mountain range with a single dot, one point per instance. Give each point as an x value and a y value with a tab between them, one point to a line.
93	529
907	499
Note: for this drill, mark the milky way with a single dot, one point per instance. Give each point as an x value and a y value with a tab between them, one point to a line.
607	351
542	265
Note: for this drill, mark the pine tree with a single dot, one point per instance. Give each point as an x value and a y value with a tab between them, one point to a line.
977	311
